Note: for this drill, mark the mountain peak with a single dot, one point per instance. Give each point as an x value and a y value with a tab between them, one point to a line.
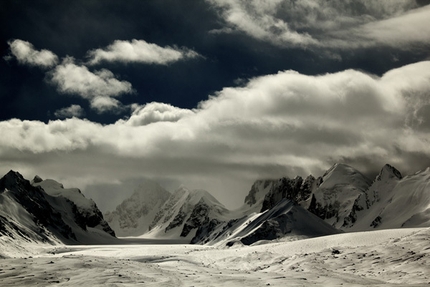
388	172
342	173
11	179
339	168
37	179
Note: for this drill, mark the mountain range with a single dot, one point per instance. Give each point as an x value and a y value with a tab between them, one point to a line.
341	200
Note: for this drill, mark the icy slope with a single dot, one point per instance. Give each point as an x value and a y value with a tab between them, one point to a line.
134	215
184	212
79	212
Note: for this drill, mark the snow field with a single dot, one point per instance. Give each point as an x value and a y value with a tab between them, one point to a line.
399	257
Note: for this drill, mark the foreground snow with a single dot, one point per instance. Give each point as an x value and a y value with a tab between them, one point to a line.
386	257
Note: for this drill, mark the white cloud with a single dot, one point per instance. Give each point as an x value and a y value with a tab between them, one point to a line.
140	51
98	87
156	112
25	53
330	24
69	112
281	124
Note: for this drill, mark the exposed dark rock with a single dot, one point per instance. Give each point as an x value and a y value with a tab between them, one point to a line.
199	216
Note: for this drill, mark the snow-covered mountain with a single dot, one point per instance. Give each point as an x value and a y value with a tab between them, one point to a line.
29	213
341	193
348	200
134	215
341	199
394	201
184	212
79	212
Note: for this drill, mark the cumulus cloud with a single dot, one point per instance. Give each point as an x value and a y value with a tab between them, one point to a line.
69	112
276	125
25	54
156	112
330	24
140	51
99	87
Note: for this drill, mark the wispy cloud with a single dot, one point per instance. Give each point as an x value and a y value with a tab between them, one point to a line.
280	124
328	24
98	87
140	51
25	53
69	112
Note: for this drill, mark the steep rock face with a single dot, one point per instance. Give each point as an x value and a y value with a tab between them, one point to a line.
295	189
75	208
259	190
340	196
27	212
135	214
185	211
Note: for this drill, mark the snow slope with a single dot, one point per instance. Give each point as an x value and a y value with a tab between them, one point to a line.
134	215
25	208
395	202
19	233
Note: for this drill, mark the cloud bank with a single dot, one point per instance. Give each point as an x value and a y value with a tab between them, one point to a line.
276	125
140	51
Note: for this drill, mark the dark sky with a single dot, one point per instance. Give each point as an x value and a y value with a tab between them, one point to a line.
213	94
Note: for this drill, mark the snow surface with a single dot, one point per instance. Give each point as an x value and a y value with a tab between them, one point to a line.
398	257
